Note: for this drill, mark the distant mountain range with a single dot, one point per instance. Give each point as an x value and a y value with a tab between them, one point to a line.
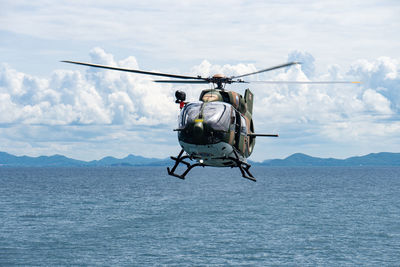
373	159
298	159
59	161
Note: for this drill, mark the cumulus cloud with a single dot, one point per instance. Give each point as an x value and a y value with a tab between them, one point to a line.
381	75
89	96
103	109
354	116
306	60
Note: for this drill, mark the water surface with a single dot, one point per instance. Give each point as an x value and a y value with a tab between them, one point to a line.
139	216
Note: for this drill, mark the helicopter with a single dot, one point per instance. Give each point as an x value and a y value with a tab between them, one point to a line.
218	129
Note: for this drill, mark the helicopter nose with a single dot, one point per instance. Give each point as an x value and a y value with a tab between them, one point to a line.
198	129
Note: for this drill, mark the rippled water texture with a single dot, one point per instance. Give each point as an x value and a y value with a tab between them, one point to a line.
142	217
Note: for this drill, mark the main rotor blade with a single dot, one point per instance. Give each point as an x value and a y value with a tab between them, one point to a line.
264	70
178	81
239	81
301	82
135	71
264	135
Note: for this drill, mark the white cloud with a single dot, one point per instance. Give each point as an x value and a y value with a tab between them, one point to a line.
381	75
92	97
376	102
75	112
352	117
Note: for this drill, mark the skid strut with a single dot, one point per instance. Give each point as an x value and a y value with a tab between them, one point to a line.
181	159
243	166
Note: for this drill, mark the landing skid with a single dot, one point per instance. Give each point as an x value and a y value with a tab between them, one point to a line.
179	160
243	166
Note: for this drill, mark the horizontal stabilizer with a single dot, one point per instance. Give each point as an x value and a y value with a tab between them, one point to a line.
265	135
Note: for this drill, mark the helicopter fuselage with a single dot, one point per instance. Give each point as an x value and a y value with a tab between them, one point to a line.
215	130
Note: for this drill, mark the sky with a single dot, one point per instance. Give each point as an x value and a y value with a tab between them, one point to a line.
48	107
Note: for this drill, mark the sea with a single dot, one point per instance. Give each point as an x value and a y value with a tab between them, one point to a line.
140	216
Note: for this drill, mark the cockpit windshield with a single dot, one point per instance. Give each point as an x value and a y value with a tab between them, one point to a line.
189	113
216	115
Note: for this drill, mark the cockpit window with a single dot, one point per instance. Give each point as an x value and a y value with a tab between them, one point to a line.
190	112
217	115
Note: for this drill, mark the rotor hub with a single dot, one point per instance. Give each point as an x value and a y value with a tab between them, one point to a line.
219	76
220	80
